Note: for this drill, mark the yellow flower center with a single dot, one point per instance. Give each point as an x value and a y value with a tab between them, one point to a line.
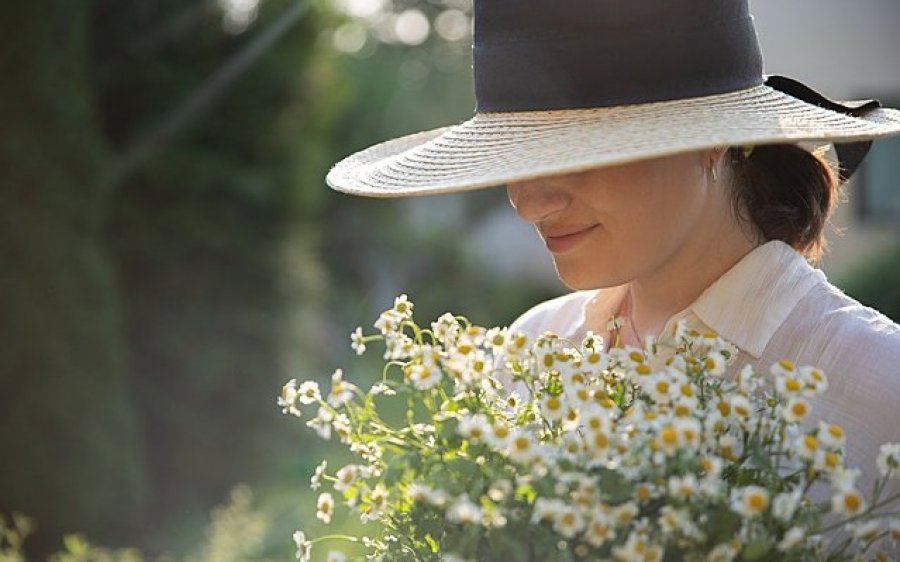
793	385
799	409
811	442
852	501
668	435
756	502
787	364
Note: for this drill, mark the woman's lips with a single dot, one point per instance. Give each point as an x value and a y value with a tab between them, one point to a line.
559	244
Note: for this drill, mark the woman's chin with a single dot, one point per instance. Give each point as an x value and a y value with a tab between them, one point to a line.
582	279
578	281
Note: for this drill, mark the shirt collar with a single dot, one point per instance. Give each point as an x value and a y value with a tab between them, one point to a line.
750	301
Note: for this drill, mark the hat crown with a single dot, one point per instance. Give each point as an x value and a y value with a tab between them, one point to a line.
567	54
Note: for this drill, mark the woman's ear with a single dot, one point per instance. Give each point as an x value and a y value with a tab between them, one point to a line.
712	162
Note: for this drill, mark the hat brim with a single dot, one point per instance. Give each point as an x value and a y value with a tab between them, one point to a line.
494	148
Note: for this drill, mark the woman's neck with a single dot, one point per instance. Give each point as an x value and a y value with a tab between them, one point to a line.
671	288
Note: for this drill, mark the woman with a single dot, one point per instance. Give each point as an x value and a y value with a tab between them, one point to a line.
664	173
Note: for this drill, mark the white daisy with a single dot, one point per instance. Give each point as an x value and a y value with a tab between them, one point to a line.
749	501
831	435
341	391
888	460
816	381
425	377
474	427
553	408
357	341
325	507
287	401
794	537
388	322
796	409
464	511
568	521
599	529
316	480
304	547
403	306
346	477
785	505
683	487
714	363
521	446
866	530
848	501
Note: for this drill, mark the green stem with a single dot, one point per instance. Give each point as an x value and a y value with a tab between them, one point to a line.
863	515
348	538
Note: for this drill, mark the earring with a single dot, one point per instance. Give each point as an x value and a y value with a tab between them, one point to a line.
715	175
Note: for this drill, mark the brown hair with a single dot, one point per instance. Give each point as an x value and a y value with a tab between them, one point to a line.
786	192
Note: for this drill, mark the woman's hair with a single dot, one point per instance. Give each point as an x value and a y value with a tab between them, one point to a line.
786	192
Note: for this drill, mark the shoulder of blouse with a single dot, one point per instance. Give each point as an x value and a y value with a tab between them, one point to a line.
560	314
840	323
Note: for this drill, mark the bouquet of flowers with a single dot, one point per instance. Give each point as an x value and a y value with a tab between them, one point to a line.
552	450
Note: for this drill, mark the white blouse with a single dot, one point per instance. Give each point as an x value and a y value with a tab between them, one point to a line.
774	305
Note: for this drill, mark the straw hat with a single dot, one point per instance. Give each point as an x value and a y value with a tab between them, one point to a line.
563	86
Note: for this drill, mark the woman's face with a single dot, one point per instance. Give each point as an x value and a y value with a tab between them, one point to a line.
610	225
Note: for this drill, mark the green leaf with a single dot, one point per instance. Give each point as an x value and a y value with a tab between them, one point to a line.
432	544
75	544
448	430
395	470
756	548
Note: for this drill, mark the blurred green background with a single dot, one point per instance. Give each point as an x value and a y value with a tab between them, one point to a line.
171	255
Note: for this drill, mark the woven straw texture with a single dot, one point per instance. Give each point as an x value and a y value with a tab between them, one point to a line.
491	149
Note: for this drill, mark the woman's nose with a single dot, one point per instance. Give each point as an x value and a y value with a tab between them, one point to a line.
535	200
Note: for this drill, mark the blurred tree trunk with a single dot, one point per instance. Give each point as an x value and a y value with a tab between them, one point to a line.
69	438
